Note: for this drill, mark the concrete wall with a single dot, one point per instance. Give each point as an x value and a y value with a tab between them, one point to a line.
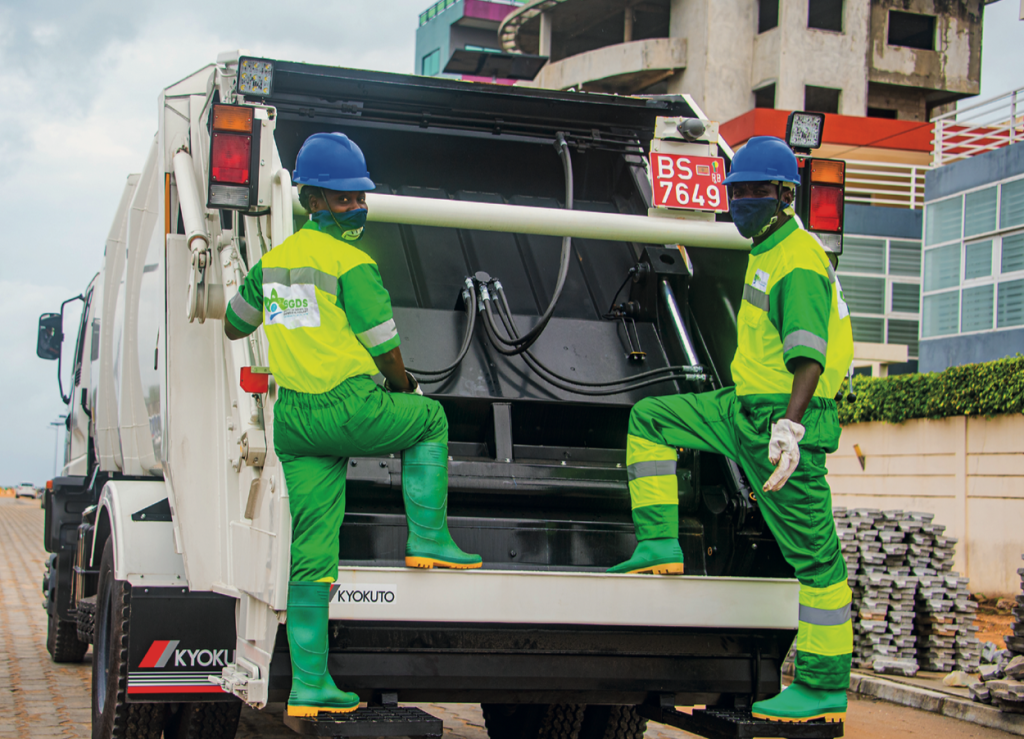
992	166
936	355
891	223
635	64
969	472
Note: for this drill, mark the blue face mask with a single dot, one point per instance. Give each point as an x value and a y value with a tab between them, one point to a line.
349	225
753	216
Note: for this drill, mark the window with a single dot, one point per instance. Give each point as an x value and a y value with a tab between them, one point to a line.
978	260
1011	211
764	97
431	64
980	212
904	258
863	255
821	99
767	17
1010	304
942	221
942	267
882	113
864	294
906	297
940	313
911	29
976	309
1012	258
904	332
867	329
825	14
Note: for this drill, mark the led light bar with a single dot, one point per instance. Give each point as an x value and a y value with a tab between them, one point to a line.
255	77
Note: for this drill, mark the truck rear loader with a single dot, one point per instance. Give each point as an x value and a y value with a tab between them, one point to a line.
169	527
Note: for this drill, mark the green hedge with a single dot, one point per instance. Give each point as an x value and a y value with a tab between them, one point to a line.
988	389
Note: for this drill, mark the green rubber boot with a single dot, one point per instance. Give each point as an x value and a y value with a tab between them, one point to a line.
658	551
313	689
798	703
425	489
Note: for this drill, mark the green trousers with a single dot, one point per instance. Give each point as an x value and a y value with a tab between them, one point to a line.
799	515
315	434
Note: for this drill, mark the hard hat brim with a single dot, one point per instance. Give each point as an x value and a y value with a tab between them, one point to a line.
734	177
351	184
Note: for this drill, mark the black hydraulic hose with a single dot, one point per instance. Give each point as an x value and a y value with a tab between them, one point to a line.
440	375
522	343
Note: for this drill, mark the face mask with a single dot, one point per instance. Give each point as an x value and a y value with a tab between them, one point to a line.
753	216
350	224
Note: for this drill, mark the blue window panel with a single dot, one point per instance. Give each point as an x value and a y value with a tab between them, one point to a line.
976	309
1010	304
942	267
867	329
904	332
980	212
1013	254
864	294
905	258
431	64
1011	209
942	221
977	260
906	298
863	255
940	314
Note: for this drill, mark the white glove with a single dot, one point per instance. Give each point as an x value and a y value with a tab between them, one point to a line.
416	389
783	452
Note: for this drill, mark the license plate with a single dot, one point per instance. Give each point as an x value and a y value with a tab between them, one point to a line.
690	182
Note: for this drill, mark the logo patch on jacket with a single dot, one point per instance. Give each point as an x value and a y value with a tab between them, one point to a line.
761	280
290	306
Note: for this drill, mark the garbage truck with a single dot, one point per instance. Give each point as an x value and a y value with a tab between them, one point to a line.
500	211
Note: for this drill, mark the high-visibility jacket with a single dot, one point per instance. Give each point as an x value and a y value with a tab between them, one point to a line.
323	306
792	307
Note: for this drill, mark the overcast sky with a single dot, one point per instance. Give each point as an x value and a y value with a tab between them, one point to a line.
79	81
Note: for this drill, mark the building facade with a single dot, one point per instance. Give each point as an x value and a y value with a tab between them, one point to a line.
973	272
899	59
449	25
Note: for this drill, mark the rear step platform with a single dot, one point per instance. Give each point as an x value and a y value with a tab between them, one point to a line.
727	723
369	721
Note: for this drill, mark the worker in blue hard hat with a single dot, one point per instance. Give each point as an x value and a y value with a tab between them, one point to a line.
794	345
329	324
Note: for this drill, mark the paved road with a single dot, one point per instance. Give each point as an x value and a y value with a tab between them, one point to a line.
41	699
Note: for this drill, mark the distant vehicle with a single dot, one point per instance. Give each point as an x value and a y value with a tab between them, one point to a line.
25	490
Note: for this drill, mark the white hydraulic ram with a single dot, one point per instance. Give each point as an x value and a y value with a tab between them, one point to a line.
523	219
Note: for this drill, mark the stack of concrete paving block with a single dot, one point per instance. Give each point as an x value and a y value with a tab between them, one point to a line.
945	613
1015	641
1002	672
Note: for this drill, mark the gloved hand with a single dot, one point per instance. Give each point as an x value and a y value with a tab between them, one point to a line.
783	452
416	389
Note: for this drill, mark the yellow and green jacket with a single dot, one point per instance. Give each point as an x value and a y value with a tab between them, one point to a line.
792	307
323	306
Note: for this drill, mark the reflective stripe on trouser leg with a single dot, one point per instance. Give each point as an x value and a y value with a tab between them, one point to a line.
652	473
824	641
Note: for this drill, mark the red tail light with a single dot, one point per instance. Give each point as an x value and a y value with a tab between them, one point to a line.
826	213
254	381
230	158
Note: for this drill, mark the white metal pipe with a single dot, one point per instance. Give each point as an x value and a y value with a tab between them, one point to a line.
188	199
523	219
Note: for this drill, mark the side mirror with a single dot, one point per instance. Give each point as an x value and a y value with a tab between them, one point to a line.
51	336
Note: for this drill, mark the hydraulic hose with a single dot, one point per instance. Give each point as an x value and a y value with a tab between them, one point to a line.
524	342
440	375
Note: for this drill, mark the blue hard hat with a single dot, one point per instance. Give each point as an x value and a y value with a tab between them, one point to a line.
764	159
332	161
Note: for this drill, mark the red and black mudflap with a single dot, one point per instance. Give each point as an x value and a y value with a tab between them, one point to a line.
177	640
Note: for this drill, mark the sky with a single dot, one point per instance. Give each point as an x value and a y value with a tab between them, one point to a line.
79	81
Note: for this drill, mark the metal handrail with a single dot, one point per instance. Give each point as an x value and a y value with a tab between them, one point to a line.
984	126
885	183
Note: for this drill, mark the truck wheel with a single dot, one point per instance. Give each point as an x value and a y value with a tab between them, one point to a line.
203	720
112	715
612	722
526	721
86	619
62	640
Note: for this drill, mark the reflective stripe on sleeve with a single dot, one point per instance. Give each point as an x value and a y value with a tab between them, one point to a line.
804	338
651	469
244	311
757	298
825	616
378	334
831	273
301	276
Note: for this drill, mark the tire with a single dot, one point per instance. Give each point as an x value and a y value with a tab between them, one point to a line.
112	716
529	721
612	722
62	640
203	720
86	619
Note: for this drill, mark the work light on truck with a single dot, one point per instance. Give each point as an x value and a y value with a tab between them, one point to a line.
231	157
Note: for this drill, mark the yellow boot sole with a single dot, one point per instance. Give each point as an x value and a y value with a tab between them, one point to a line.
671	568
829	718
314	711
429	563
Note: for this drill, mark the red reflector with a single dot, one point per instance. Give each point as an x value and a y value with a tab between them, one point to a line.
826	208
230	158
253	382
